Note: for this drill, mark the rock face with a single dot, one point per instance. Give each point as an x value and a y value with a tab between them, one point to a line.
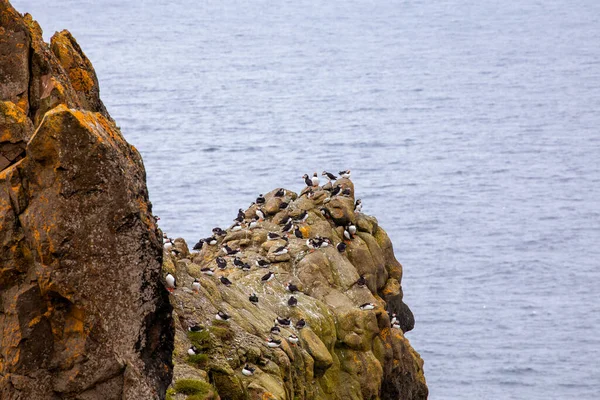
83	312
343	352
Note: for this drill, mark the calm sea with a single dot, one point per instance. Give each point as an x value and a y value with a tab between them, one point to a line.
472	129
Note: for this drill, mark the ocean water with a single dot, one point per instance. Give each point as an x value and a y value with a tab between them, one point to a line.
472	129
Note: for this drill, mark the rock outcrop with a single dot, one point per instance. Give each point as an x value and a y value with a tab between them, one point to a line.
343	352
83	312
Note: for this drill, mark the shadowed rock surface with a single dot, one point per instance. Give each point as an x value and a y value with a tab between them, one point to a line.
83	312
343	352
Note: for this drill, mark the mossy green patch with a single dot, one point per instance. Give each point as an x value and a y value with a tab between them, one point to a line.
197	359
224	334
192	387
200	339
170	393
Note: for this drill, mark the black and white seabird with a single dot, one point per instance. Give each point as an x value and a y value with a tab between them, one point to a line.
236	227
302	217
273	236
221	316
300	324
298	233
288	227
393	318
267	277
361	282
273	342
262	263
254	223
345	174
225	281
192	351
280	251
198	246
260	214
358	205
347	234
396	325
211	241
221	262
285	220
367	306
196	285
293	339
325	212
218	231
341	247
283	321
310	243
315	179
170	279
336	190
229	251
329	176
352	229
310	194
253	298
195	328
241	216
208	271
290	287
246	267
260	199
292	302
238	262
283	205
275	330
248	370
280	193
307	180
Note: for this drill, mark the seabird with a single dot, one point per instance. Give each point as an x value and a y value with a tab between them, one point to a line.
298	233
254	223
290	287
352	229
292	302
341	247
307	180
325	212
283	321
192	351
288	227
246	267
393	318
273	342
329	176
336	190
198	246
262	263
310	194
170	279
218	231
196	285
367	306
300	324
248	370
396	325
211	240
221	262
302	217
260	214
362	281
358	205
225	281
345	174
238	262
168	243
347	234
195	328
253	298
241	216
311	244
293	339
221	316
208	271
275	330
280	193
280	251
315	179
283	205
260	199
236	227
267	277
285	220
273	236
229	251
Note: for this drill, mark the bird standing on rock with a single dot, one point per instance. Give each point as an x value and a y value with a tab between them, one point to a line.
329	176
241	216
170	279
281	250
280	193
290	287
248	370
225	281
300	324
221	316
221	262
307	180
367	306
315	180
361	282
267	277
292	302
358	205
273	342
260	214
196	285
253	298
341	247
293	339
345	174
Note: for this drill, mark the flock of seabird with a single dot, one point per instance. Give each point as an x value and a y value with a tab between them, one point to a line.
290	226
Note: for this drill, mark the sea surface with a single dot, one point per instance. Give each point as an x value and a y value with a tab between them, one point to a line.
472	129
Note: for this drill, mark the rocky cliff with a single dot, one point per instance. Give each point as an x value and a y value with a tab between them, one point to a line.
83	311
343	352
